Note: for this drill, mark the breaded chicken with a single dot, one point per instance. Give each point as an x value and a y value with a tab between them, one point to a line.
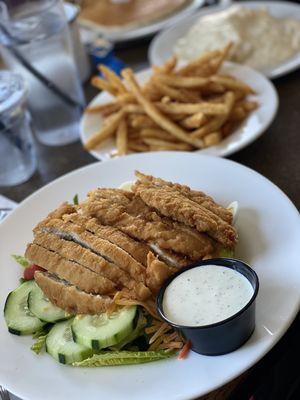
127	242
88	259
146	225
136	249
69	297
104	248
174	204
195	195
70	271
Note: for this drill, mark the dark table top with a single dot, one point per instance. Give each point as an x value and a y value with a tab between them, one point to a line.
276	155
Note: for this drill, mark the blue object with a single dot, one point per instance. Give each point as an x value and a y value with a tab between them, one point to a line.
102	52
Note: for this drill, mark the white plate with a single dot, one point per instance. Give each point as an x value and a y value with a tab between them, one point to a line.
269	230
125	34
162	45
254	126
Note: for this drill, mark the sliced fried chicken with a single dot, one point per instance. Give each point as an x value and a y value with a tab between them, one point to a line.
87	259
145	224
70	271
69	297
137	250
104	248
195	195
175	205
157	273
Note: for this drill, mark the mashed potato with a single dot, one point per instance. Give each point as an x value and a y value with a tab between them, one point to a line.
260	40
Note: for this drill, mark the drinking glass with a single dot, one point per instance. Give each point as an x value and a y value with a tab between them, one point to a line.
17	155
36	32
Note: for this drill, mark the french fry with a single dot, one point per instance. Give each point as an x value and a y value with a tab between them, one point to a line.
121	139
191	108
167	145
193	65
212	139
165	100
217	64
231	83
237	114
175	94
113	79
102	84
157	134
111	107
134	108
228	128
142	121
190	82
213	87
194	121
156	115
126	98
249	105
107	131
138	147
167	67
216	123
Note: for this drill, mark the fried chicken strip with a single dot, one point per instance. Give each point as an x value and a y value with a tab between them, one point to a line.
129	214
195	195
175	205
70	271
137	250
87	259
157	272
68	297
104	248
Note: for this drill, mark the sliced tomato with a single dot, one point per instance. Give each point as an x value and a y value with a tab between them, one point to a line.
29	271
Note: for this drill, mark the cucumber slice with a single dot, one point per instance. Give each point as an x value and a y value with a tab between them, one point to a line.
103	330
19	320
43	309
61	346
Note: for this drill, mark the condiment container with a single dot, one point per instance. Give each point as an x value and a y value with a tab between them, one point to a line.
226	335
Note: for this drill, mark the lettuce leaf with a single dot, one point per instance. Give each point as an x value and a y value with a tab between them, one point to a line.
226	253
110	358
20	260
39	344
75	200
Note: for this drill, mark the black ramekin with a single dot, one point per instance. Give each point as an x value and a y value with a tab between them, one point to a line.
224	336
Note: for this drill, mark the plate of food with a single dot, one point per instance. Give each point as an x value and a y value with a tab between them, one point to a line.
95	256
121	21
265	36
208	106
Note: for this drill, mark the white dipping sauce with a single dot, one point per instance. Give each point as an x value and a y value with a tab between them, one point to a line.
206	294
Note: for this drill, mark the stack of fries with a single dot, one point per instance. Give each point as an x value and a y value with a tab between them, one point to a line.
188	108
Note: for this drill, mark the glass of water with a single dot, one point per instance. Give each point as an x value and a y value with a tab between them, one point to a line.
17	155
36	32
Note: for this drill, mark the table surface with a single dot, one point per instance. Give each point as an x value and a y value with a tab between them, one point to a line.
275	155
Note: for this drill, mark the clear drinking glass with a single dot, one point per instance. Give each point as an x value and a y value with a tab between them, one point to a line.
40	34
17	155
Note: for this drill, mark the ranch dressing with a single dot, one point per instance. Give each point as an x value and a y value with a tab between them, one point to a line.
206	294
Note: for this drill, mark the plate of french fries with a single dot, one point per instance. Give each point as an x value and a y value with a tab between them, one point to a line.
208	105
